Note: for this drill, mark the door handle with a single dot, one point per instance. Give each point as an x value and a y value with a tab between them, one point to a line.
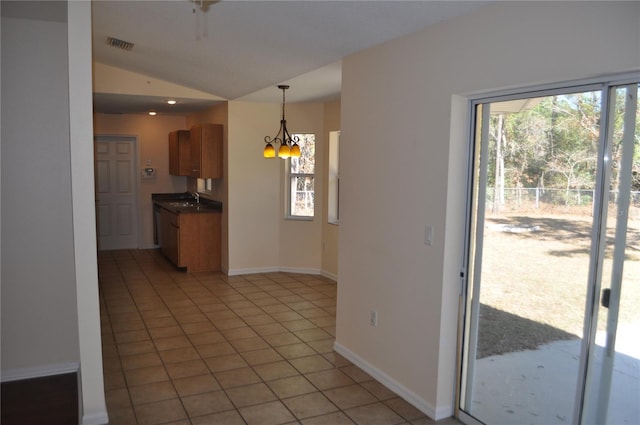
606	295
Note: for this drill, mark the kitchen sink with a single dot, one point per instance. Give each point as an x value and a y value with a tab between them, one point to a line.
183	204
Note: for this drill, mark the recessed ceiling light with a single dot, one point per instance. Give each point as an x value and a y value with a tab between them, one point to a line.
171	102
152	113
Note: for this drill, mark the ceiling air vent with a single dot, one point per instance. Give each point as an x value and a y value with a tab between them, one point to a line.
119	44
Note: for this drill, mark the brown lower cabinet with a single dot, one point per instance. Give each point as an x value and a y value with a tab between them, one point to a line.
191	240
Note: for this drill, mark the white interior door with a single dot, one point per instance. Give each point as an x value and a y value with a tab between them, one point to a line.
116	193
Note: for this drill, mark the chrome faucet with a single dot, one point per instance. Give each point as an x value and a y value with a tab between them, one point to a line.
197	196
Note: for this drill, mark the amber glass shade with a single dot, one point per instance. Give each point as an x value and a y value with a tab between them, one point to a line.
295	151
269	151
284	151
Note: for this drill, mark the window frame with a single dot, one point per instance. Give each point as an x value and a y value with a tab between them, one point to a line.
289	182
333	189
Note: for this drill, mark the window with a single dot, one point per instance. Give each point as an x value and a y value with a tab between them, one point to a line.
334	178
301	178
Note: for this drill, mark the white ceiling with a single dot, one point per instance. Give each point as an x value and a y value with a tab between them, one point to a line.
242	49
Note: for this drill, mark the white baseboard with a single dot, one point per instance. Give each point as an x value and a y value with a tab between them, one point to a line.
408	395
18	374
236	272
99	418
299	270
328	275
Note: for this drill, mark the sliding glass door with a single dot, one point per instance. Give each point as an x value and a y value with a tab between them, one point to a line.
612	392
554	238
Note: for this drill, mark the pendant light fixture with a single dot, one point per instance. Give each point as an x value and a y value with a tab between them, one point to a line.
288	145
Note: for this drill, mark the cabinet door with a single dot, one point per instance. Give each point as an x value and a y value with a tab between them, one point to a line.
170	236
179	153
206	151
196	150
200	241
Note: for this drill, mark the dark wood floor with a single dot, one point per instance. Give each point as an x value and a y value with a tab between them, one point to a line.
51	400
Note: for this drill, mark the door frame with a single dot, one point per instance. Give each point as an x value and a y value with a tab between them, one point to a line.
588	352
136	185
603	83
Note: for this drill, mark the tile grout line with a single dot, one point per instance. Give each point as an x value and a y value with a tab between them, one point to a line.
239	353
294	285
157	351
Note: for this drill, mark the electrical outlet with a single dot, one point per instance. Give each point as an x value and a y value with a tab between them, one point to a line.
373	318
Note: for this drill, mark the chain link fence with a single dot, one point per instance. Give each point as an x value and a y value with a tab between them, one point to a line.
511	199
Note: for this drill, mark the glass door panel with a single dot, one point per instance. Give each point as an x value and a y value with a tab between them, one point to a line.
529	269
612	393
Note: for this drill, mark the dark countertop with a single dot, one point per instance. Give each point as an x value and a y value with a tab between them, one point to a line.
185	203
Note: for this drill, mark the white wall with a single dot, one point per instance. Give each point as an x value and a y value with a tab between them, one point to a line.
93	408
50	313
260	239
403	167
39	311
152	134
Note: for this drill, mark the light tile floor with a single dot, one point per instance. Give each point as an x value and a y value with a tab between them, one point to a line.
205	348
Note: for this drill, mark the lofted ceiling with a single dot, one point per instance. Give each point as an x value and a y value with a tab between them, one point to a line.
240	50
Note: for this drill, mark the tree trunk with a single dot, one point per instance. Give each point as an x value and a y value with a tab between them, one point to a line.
498	185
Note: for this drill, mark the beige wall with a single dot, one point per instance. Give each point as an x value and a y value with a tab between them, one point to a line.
300	241
329	231
403	167
39	309
254	189
152	145
260	239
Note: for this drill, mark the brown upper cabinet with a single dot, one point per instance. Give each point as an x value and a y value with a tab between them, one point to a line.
206	151
179	153
196	152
